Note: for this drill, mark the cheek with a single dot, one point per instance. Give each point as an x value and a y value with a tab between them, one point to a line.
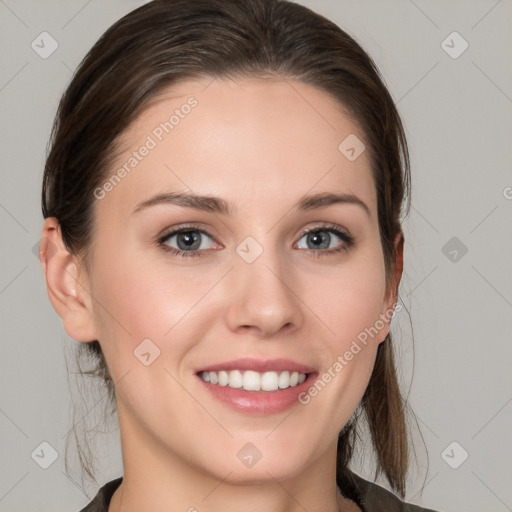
134	300
348	299
349	303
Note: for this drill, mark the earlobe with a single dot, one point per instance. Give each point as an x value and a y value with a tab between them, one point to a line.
67	293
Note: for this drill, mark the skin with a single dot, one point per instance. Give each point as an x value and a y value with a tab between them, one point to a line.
261	144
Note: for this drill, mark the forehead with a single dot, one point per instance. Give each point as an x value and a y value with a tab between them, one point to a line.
252	141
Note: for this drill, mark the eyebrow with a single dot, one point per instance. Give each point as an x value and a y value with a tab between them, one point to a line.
214	204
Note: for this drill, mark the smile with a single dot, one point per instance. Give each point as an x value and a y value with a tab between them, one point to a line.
254	381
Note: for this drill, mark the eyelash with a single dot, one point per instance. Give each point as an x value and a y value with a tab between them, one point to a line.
333	228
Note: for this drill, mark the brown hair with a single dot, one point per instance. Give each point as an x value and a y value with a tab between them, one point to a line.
167	41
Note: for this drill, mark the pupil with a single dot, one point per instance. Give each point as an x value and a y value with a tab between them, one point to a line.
189	237
320	239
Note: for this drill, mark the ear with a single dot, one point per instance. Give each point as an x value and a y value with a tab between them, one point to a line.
66	283
392	291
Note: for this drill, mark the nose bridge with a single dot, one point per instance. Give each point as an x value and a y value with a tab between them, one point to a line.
262	283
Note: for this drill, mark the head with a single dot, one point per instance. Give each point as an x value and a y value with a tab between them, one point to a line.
258	104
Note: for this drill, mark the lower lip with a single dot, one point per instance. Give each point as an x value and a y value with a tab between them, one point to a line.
259	402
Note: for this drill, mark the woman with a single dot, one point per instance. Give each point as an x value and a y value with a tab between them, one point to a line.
222	200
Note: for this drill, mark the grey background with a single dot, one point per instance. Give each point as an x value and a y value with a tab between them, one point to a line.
457	113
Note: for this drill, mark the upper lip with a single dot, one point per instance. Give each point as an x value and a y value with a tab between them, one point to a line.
259	365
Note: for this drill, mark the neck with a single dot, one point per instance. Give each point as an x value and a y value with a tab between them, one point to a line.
159	480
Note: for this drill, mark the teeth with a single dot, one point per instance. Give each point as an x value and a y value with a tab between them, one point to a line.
235	379
255	381
223	378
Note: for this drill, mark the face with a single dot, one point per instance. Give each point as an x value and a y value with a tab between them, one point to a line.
255	283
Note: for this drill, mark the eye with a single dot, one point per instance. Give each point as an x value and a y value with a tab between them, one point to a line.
191	241
326	239
186	241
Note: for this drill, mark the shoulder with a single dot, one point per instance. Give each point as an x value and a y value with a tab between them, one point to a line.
102	499
375	498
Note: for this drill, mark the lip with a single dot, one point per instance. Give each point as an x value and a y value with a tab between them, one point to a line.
259	365
258	403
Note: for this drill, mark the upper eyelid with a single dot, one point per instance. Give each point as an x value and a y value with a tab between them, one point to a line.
167	233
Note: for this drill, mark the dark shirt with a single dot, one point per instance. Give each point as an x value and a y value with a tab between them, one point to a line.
372	498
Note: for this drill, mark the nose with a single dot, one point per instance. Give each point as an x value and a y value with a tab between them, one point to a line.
264	296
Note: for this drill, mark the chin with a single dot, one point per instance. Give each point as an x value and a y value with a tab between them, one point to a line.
250	465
